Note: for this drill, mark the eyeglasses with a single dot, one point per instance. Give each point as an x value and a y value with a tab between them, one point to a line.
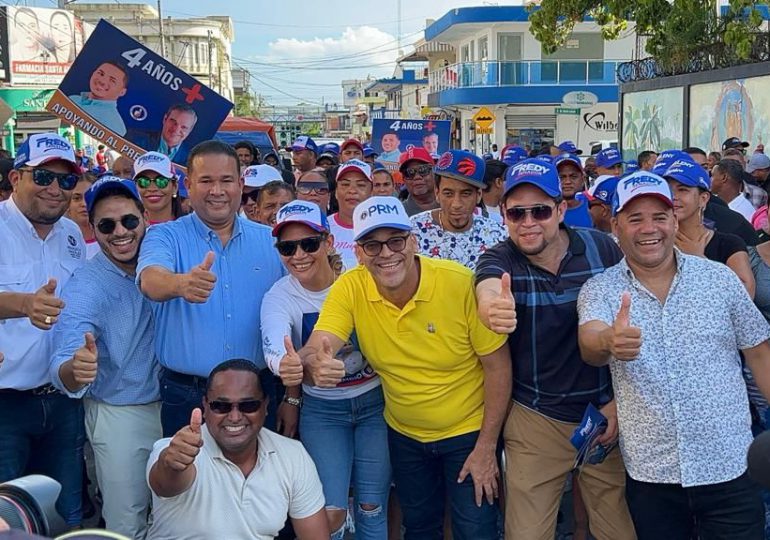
422	170
129	222
253	195
540	212
44	177
248	406
311	244
160	181
306	188
396	244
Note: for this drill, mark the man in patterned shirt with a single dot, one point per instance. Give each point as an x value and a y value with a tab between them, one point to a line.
670	327
453	231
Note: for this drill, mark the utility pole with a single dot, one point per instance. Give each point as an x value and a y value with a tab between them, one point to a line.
162	33
211	65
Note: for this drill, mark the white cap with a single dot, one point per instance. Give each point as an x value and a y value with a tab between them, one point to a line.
304	212
379	213
153	161
44	147
638	184
256	176
356	165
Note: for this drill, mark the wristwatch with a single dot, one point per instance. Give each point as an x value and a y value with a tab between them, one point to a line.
297	402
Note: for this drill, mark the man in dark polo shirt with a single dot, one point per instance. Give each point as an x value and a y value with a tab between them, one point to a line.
543	264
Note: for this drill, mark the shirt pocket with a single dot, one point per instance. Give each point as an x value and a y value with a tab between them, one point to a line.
16	278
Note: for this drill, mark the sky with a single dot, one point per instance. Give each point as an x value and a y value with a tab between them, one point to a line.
301	51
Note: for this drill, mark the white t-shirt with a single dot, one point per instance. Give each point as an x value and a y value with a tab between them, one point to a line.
288	309
743	206
222	503
343	242
92	248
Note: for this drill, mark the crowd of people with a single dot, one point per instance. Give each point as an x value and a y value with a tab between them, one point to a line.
344	350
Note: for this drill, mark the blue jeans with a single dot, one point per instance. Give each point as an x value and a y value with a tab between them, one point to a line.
425	475
348	437
179	399
44	435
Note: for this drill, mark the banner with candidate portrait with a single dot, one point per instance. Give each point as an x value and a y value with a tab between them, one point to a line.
391	136
133	100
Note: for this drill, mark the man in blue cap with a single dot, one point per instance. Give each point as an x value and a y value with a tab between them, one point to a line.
572	179
609	161
543	265
455	230
512	154
600	202
570	148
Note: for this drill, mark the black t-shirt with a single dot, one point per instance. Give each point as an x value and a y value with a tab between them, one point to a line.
722	246
729	221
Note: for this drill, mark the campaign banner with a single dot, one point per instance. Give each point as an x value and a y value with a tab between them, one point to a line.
128	97
391	136
42	43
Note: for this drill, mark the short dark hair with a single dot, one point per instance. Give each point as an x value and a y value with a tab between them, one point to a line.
211	147
645	156
248	146
118	65
271	188
734	152
236	364
494	169
113	192
694	150
732	169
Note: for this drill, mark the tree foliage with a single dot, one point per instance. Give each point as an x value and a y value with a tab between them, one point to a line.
676	30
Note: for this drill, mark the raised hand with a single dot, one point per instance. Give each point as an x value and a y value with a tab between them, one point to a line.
502	308
186	444
290	369
198	283
84	361
43	307
625	340
325	370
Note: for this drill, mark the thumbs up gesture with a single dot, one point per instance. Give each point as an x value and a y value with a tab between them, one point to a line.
84	364
626	340
290	369
185	445
198	283
43	307
325	370
502	308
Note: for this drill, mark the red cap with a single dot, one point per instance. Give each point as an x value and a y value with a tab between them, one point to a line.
415	153
354	142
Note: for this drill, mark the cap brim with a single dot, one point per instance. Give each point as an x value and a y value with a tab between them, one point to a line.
658	196
277	228
398	226
523	181
74	167
465	179
420	160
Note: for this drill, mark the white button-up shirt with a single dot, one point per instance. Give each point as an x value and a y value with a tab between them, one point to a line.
27	262
683	412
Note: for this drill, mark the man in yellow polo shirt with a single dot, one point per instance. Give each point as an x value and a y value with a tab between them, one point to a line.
445	376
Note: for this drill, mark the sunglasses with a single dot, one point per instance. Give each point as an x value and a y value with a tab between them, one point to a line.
540	212
422	170
248	406
253	195
311	244
43	178
307	188
129	222
160	181
396	244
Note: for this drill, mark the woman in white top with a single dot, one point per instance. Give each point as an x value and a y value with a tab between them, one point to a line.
342	428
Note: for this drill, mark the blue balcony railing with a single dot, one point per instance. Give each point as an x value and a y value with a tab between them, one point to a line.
523	73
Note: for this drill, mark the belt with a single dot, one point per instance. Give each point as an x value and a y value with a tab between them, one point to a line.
44	390
183	378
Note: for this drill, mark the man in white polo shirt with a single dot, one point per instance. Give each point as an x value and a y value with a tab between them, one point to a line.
230	477
42	429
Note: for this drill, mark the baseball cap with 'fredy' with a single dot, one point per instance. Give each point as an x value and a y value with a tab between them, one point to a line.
45	147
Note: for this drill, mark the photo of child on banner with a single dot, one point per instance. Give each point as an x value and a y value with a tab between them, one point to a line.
128	97
391	137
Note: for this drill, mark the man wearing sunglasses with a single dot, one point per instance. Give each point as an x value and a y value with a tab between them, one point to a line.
207	273
105	353
230	477
416	166
39	254
543	265
445	377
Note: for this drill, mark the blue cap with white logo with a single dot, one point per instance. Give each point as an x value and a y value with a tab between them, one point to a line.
603	189
567	158
379	212
666	158
631	167
41	148
513	154
570	148
304	212
303	142
461	165
609	157
95	192
369	151
689	173
535	172
640	184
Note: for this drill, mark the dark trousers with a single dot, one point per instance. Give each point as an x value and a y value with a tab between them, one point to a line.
727	511
426	476
180	394
44	434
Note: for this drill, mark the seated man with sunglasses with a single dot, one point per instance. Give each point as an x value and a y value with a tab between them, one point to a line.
446	378
230	477
105	353
39	254
543	264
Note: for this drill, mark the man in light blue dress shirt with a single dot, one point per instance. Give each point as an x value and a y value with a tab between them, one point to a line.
105	353
108	82
206	273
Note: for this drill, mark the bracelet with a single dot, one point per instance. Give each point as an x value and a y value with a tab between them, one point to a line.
297	402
